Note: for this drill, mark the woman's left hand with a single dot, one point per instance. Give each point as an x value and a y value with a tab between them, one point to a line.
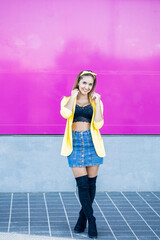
96	97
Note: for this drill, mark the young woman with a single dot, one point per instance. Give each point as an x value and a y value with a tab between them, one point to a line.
83	144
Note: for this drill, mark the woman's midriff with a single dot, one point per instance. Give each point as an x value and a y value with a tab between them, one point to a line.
80	126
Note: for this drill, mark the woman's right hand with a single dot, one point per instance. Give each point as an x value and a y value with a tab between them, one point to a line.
74	92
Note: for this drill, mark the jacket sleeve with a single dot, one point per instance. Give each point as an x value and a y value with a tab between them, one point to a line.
65	112
99	124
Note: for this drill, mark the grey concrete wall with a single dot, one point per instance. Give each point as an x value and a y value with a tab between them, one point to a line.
33	163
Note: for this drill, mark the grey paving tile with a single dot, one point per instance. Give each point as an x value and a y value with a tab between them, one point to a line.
20	214
5	202
157	193
105	238
156	228
157	232
136	223
115	223
39	228
37	220
19	228
20	210
37	206
57	218
37	213
113	218
17	219
20	207
38	223
56	211
54	214
124	234
116	194
4	229
102	233
37	210
140	228
19	224
41	233
4	219
153	222
61	234
148	238
61	223
19	200
120	228
3	224
126	238
147	212
144	233
151	218
113	205
4	208
132	217
19	231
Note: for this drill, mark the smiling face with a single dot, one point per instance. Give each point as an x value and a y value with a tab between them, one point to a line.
86	84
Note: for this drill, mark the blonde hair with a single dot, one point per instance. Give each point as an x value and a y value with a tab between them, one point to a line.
80	76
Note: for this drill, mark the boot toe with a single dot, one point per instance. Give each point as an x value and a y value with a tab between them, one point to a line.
92	229
80	226
78	230
93	237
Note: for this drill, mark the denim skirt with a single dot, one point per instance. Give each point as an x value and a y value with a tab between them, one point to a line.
83	153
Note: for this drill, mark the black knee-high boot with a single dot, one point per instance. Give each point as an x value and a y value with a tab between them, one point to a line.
82	220
85	200
92	187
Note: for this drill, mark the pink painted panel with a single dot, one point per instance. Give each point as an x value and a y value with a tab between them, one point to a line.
45	44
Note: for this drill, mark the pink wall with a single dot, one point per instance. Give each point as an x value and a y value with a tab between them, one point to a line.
45	44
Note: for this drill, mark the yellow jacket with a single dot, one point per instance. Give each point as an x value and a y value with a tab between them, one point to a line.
95	126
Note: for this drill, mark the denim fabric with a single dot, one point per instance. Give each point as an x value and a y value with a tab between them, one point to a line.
83	153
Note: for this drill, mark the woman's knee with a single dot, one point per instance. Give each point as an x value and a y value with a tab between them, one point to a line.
79	171
92	171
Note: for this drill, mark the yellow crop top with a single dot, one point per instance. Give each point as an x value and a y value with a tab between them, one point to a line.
95	126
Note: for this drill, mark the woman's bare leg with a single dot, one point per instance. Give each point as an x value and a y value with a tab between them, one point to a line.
79	171
92	171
